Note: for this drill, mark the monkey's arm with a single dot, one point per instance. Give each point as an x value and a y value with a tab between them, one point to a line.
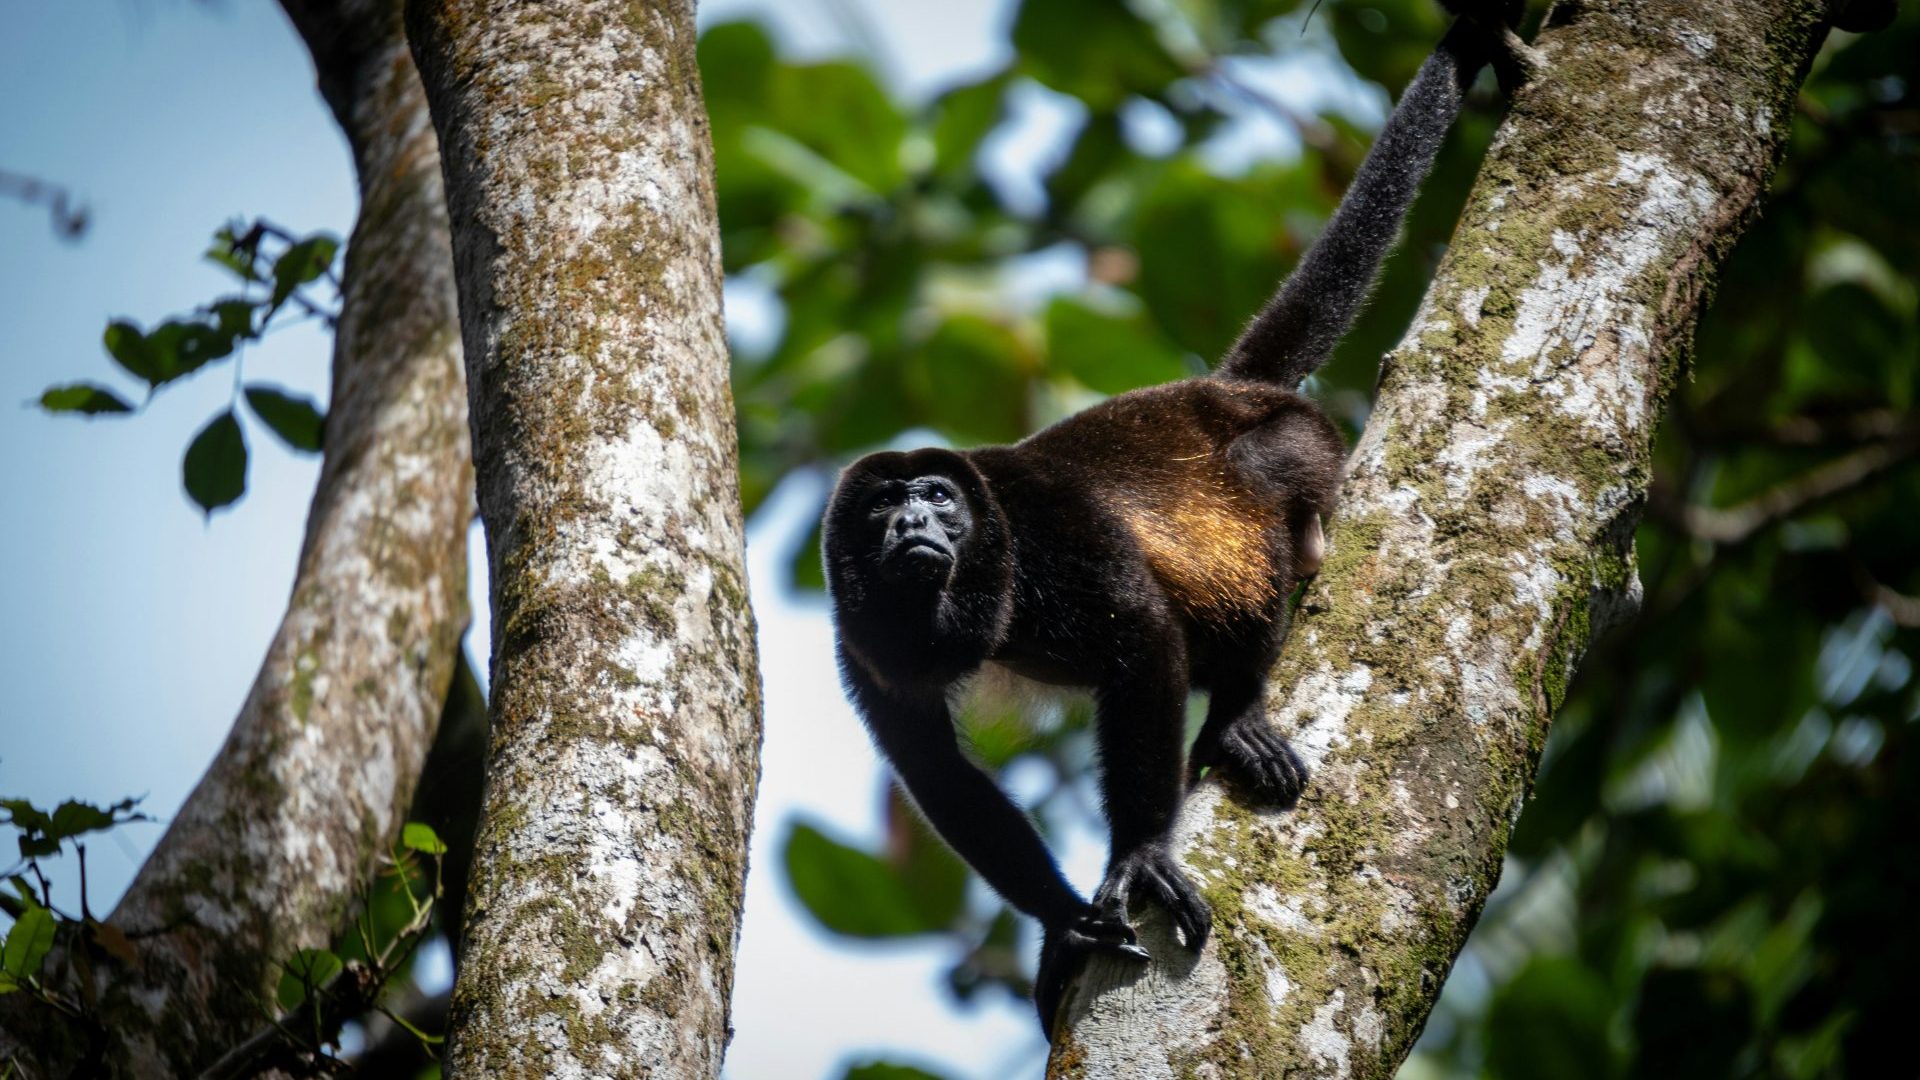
1299	327
964	805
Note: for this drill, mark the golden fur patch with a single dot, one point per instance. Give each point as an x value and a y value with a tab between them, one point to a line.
1210	553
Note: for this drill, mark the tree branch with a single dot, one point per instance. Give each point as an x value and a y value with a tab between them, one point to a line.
1485	534
270	848
1735	525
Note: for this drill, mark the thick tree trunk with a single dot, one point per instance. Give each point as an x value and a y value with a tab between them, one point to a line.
270	850
1485	534
608	875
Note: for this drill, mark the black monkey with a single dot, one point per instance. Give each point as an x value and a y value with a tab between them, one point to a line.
1141	548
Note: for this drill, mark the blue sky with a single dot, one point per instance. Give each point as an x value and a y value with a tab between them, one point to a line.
130	628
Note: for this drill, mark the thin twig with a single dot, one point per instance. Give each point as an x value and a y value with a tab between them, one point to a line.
70	216
1735	525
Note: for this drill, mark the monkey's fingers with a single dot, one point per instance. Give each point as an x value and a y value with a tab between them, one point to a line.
1192	917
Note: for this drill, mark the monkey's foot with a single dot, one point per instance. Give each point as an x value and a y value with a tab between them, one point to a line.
1258	759
1064	947
1152	867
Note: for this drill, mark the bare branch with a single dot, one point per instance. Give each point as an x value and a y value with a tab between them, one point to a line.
1736	525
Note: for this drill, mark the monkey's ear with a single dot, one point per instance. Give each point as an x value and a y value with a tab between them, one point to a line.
1862	16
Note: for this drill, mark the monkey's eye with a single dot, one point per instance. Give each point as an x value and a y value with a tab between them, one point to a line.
883	500
939	496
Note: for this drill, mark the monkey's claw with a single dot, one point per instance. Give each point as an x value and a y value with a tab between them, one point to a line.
1063	948
1153	868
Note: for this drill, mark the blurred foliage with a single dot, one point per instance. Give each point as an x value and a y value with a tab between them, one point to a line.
1712	875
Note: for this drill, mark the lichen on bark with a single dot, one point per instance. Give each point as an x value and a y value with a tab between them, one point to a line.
277	840
1484	535
611	858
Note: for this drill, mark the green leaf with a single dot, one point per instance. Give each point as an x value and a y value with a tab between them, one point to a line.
128	346
297	421
419	836
90	399
849	891
806	569
1212	249
72	818
839	111
215	467
226	252
965	116
1108	352
300	264
28	942
24	814
974	380
888	1070
307	971
234	316
1097	50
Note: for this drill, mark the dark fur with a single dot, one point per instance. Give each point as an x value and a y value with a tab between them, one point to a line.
1143	547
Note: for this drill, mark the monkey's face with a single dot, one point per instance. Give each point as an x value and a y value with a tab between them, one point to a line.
919	526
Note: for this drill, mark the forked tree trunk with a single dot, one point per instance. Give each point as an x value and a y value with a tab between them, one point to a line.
611	860
1485	534
276	841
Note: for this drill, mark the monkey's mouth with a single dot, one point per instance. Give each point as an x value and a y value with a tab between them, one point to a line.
920	549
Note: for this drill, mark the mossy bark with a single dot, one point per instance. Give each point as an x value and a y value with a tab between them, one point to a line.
278	838
1484	535
608	875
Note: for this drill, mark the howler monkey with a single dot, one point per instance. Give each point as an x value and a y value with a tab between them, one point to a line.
1143	547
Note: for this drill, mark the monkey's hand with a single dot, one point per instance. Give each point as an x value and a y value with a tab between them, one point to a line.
1152	867
1064	946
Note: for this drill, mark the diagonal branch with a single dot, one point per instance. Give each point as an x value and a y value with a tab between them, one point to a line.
1485	533
270	848
1734	525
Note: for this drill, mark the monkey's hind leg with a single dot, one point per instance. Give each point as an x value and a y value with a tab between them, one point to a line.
1238	742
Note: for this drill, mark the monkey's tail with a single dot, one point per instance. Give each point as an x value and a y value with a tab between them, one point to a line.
1298	329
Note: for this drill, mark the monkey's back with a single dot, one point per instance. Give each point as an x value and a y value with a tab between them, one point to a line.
1161	471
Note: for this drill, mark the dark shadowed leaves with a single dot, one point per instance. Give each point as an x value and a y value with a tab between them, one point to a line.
308	970
295	419
1095	50
214	470
1552	1019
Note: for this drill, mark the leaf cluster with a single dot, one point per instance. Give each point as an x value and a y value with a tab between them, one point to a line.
276	272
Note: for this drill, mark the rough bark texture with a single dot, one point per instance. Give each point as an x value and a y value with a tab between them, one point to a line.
1485	533
268	853
608	876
